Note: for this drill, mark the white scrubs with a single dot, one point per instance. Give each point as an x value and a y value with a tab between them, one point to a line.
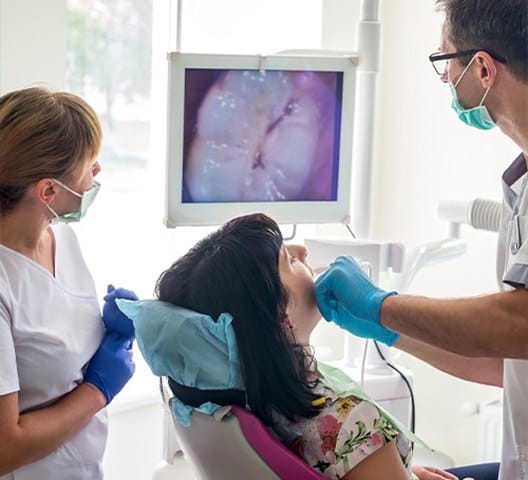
49	329
512	271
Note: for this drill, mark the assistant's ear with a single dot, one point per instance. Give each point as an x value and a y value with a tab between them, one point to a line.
45	190
488	70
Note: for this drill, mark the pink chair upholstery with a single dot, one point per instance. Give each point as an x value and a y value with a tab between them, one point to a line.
282	461
238	446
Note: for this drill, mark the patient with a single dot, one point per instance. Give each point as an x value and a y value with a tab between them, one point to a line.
245	269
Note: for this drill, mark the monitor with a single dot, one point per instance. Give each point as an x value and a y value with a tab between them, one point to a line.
247	133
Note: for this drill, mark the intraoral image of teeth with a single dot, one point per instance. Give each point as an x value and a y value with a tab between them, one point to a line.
260	136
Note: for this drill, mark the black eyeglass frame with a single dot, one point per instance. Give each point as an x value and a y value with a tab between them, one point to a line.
437	56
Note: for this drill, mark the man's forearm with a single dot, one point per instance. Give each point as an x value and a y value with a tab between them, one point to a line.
487	371
488	326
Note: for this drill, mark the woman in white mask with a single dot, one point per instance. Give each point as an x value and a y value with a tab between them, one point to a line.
58	366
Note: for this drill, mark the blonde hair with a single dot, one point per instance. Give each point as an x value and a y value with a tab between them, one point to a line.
43	134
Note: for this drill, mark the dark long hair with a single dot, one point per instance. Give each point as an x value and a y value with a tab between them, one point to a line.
236	270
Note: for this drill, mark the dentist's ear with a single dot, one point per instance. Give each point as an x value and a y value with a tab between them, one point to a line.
487	69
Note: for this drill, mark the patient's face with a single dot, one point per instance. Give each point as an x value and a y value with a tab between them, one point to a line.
298	278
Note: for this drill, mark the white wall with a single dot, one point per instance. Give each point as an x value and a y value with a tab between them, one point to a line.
32	43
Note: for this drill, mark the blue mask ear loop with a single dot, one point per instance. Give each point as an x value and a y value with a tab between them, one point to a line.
455	85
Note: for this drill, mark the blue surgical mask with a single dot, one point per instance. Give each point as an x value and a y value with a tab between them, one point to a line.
478	116
87	199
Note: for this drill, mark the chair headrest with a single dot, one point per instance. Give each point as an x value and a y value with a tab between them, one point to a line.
189	347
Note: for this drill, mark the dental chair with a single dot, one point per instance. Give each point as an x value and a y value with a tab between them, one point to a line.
230	443
233	444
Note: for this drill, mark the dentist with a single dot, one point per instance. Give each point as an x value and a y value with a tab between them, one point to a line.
59	367
484	60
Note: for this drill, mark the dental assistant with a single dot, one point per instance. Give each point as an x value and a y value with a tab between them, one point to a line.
484	61
59	367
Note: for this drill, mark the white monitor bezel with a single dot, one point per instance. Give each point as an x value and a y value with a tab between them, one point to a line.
178	213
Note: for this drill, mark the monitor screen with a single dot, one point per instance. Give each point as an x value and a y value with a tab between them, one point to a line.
267	136
244	137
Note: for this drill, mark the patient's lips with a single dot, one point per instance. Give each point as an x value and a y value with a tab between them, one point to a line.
258	138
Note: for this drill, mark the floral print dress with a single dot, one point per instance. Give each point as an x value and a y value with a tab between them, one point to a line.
345	432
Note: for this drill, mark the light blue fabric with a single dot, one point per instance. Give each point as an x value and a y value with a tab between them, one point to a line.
189	347
182	412
478	116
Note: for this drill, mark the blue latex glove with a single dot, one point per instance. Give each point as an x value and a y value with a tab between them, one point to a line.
346	296
114	319
112	366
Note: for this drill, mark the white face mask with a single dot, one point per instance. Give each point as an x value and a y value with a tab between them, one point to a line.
87	199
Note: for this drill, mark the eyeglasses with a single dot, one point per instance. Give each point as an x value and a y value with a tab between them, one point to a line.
440	60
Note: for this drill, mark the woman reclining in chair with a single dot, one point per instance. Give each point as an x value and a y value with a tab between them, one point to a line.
245	269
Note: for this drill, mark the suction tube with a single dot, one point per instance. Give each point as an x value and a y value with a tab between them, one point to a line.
485	215
479	213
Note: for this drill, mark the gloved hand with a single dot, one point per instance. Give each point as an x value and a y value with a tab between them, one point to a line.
114	319
346	296
359	326
111	366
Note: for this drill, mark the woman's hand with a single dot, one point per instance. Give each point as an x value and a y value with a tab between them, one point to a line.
432	473
114	319
112	366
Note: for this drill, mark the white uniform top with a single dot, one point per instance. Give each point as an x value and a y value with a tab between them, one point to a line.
512	271
49	329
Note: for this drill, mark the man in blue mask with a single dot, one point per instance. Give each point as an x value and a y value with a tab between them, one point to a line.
484	59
